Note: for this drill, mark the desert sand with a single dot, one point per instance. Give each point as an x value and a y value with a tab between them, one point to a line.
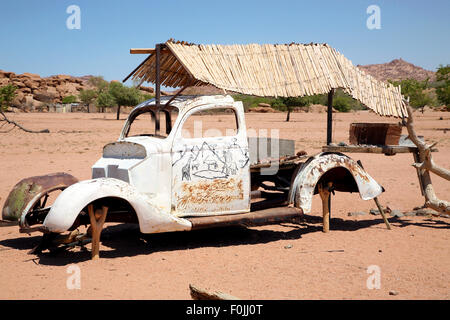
286	261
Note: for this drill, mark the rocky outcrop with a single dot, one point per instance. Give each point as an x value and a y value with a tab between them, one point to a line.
34	91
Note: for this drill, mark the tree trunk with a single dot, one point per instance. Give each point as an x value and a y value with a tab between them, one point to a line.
118	112
425	165
288	114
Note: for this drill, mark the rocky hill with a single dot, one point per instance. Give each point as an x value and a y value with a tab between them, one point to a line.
398	69
34	91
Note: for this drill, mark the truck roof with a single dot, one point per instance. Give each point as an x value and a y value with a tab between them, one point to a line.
184	103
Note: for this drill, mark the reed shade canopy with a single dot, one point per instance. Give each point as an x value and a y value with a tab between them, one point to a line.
286	70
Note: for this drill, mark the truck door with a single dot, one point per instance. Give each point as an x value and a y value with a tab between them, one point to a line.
210	163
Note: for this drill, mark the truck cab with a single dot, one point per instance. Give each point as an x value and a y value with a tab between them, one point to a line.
173	157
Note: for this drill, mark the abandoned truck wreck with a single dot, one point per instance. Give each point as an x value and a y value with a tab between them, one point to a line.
159	175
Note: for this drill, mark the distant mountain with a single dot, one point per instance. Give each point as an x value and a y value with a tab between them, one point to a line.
397	69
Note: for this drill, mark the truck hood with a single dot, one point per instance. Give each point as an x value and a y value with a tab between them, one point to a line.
135	148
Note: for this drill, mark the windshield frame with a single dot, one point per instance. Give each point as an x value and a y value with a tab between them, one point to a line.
155	114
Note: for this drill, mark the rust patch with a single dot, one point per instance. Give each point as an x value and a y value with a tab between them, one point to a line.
217	191
28	189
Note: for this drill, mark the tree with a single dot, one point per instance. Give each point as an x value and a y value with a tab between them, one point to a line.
69	99
87	97
99	83
425	166
415	90
124	96
105	100
443	88
145	97
293	102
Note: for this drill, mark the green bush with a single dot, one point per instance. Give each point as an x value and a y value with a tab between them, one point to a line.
252	101
7	95
415	90
145	97
69	99
341	101
443	87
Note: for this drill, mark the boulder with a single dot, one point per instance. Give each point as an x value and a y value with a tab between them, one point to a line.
62	77
31	76
19	99
31	84
18	83
4	81
46	95
67	89
318	108
264	105
262	109
7	74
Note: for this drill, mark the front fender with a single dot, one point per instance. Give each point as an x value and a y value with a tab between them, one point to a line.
72	200
302	189
27	192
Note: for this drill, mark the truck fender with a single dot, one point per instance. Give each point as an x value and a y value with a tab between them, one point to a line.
28	192
72	200
335	167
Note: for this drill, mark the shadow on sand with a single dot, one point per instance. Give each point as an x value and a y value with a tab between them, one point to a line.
126	240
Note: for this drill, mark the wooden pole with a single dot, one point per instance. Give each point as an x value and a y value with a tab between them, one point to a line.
382	213
157	87
330	117
97	221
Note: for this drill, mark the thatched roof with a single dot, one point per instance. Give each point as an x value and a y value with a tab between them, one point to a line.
270	70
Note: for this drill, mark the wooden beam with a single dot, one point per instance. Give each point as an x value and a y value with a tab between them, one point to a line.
144	50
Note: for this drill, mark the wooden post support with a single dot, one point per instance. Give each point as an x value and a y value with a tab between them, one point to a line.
324	192
157	87
382	213
330	117
97	221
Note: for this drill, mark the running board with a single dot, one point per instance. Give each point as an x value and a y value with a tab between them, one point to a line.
250	219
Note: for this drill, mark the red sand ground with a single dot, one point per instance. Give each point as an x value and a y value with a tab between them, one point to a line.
273	262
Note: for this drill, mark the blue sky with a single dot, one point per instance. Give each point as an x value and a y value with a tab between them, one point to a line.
35	37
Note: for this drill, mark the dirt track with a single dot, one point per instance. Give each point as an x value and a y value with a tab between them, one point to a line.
273	262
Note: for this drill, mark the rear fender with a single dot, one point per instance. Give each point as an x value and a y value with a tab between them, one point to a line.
74	199
27	192
325	165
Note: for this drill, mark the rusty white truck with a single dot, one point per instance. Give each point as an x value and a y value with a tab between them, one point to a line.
161	176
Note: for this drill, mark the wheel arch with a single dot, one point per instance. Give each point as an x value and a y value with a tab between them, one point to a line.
77	197
344	172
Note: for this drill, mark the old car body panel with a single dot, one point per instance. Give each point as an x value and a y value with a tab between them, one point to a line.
152	217
211	175
27	192
302	189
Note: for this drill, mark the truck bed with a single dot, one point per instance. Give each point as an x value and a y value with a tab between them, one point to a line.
263	149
